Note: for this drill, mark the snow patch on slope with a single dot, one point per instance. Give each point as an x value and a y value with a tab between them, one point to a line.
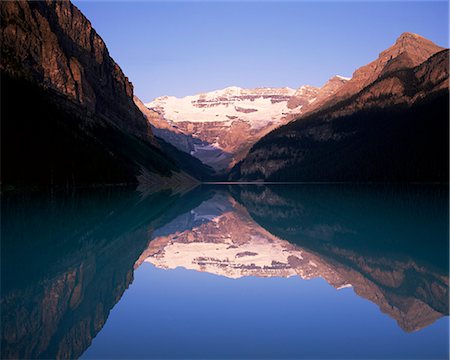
258	107
343	77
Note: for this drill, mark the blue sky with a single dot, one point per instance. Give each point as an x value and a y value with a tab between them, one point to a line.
183	48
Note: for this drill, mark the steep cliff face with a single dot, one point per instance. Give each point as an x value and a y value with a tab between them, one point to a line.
52	43
389	130
80	124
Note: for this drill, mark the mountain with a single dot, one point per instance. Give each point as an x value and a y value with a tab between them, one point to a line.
327	91
68	115
219	127
409	50
388	123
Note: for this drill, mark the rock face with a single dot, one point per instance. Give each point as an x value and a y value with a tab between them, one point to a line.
410	50
219	127
54	44
322	94
385	124
80	124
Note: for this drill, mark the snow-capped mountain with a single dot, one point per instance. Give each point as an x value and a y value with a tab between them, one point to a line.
219	127
256	107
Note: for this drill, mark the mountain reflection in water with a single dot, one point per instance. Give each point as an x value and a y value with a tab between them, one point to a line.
67	260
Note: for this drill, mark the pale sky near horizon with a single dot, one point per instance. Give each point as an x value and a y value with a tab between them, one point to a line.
182	48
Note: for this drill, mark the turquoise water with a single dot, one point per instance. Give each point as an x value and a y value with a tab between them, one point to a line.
227	271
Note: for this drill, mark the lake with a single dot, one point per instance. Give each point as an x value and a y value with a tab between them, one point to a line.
227	271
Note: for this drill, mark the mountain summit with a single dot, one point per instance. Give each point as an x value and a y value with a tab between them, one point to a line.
388	123
413	49
418	47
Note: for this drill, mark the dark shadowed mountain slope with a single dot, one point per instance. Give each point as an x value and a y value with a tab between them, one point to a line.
188	163
47	144
68	116
394	129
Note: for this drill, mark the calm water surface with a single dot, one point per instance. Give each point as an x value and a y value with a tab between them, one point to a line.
229	271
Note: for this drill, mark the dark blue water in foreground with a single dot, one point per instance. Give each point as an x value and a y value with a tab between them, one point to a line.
181	313
305	271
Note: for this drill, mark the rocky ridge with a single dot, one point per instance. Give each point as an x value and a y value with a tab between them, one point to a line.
315	147
219	127
408	51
